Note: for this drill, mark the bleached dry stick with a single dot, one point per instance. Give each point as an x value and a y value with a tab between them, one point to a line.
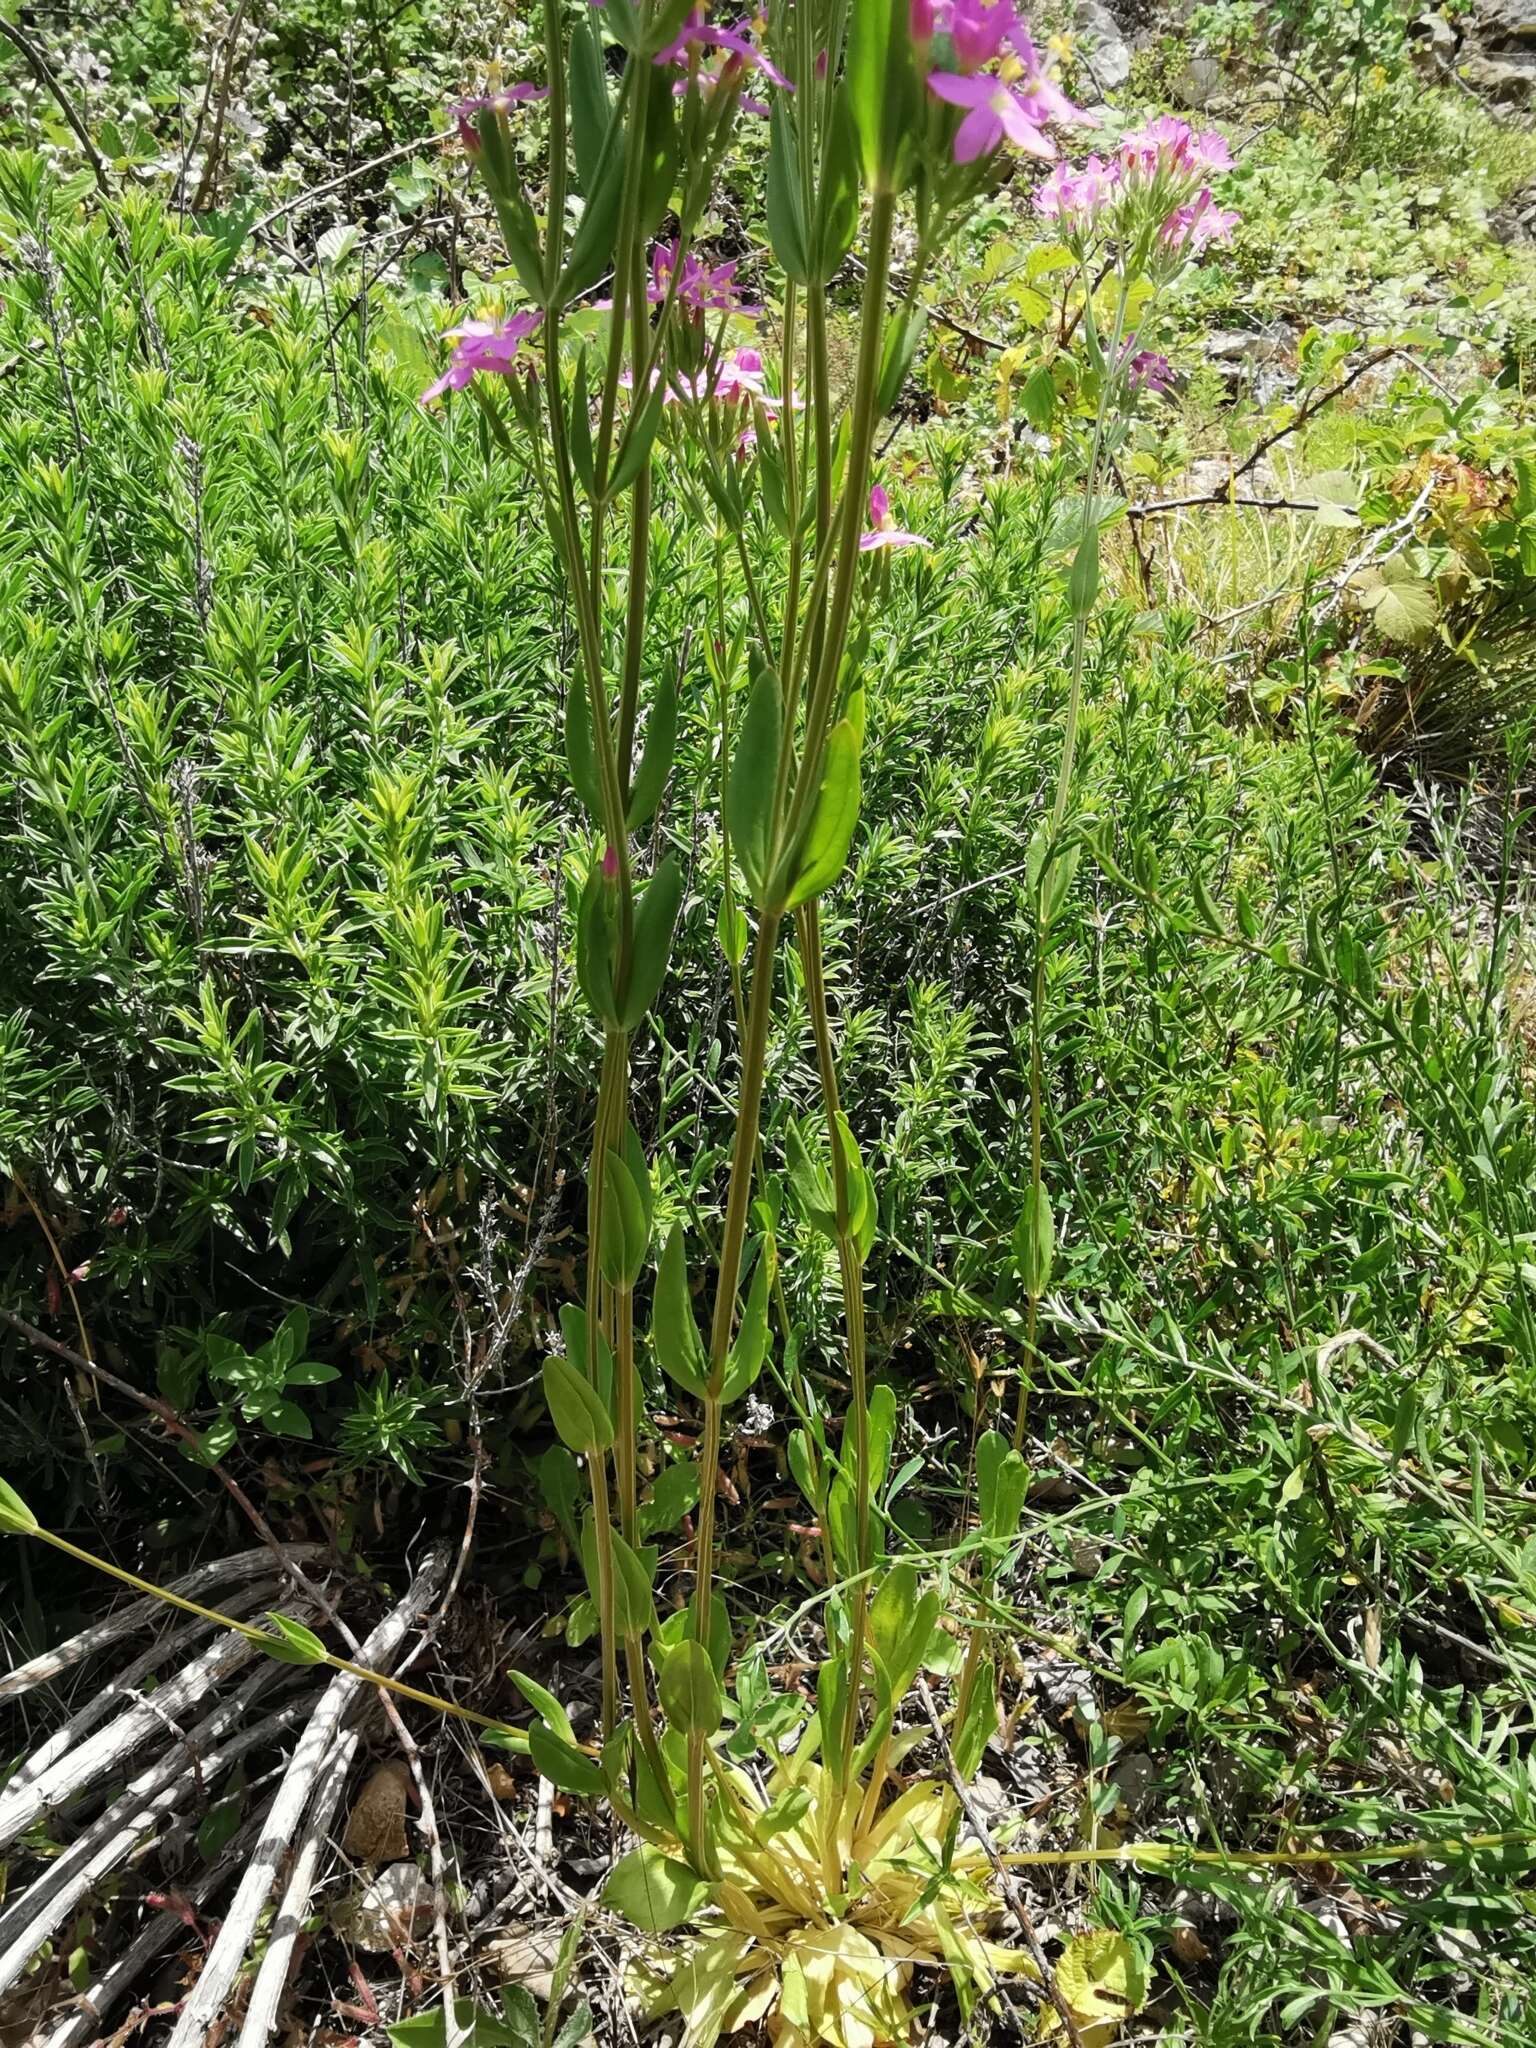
158	1932
272	1978
102	1752
121	1687
245	1564
43	1908
209	1996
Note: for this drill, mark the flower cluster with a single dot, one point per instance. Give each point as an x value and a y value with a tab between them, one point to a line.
699	289
994	72
1160	171
483	346
739	54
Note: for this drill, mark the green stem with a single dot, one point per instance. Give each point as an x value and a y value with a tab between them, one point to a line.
851	1274
1109	384
866	392
265	1638
732	1245
1036	1154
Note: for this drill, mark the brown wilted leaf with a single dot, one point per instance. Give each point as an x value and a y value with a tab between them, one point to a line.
375	1831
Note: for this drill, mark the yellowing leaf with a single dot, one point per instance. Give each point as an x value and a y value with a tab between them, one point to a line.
1101	1977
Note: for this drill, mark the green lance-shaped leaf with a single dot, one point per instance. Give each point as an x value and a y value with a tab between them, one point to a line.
16	1518
544	1703
901	1623
824	850
654	1892
293	1643
832	1704
592	245
901	339
651	948
579	430
596	935
656	754
565	1766
753	780
580	758
577	1331
625	1234
689	1691
811	1184
978	1724
882	1433
1002	1480
519	230
590	104
784	199
658	172
674	1333
837	206
578	1413
751	1346
883	89
638	437
1083	583
634	1605
1034	1242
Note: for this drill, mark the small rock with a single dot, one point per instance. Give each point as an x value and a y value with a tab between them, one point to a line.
1510	77
1109	57
1507	21
1326	1913
528	1958
390	1911
1201	82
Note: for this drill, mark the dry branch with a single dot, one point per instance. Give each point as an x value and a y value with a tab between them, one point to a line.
123	1686
162	1928
272	1978
245	1564
210	1995
70	1879
102	1753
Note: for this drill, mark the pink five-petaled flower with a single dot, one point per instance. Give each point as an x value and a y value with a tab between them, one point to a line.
482	346
1202	220
1149	371
883	530
464	111
699	289
994	112
1076	197
697	34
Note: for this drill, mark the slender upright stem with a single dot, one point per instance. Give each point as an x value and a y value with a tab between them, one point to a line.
851	1275
732	1245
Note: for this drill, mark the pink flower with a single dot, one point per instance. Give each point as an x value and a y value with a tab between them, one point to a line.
995	112
979	28
464	111
699	289
482	346
1191	227
697	34
1148	371
741	376
1210	151
883	530
1075	197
